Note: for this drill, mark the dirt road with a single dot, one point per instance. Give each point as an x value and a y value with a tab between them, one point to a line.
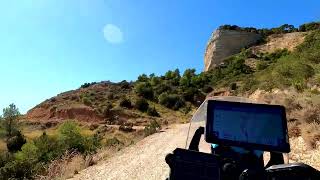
144	160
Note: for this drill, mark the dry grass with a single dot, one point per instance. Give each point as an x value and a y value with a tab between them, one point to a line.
72	163
311	114
311	134
66	167
294	129
3	145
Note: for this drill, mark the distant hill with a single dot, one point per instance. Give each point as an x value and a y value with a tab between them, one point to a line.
285	66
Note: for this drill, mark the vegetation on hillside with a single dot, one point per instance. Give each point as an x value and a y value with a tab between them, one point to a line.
285	28
153	97
25	158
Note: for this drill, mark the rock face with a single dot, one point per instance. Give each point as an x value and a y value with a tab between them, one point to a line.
224	43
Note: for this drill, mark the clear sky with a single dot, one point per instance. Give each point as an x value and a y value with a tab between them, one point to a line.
51	46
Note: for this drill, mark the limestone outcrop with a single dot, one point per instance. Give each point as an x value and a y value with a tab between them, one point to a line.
224	43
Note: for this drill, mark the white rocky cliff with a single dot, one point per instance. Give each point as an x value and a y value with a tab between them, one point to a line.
224	43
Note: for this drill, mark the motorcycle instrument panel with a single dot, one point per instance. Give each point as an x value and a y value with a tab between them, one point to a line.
248	125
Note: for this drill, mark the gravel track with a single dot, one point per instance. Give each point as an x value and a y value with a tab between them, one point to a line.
144	160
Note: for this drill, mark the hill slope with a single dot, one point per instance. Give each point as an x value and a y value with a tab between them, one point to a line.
283	70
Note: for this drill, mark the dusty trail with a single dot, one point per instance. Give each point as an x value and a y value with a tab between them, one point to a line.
144	160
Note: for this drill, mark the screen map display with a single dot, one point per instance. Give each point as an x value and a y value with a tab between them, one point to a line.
254	125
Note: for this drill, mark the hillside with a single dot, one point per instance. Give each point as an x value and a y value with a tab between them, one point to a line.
98	119
282	70
98	103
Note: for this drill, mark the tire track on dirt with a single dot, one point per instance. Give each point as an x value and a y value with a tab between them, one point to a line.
144	160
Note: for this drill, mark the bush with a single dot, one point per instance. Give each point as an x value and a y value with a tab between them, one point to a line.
124	84
188	94
290	72
172	101
153	112
69	134
86	101
92	143
124	102
29	153
106	110
25	164
310	134
294	129
85	85
261	65
233	86
15	143
152	128
309	26
275	55
114	142
49	148
207	89
5	157
71	139
186	109
144	89
311	114
141	104
249	85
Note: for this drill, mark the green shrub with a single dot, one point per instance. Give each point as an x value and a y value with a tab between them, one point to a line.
124	84
124	102
5	157
235	66
153	112
233	86
186	109
86	101
143	78
188	94
172	101
261	65
114	142
105	110
152	128
29	153
69	134
86	85
141	104
207	89
25	164
144	89
15	143
288	72
299	86
309	26
249	85
92	143
48	147
275	55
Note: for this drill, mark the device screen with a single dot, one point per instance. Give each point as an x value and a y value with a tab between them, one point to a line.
254	125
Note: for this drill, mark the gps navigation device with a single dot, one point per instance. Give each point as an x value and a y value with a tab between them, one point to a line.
247	125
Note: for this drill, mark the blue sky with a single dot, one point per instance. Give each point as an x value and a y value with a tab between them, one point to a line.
51	46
